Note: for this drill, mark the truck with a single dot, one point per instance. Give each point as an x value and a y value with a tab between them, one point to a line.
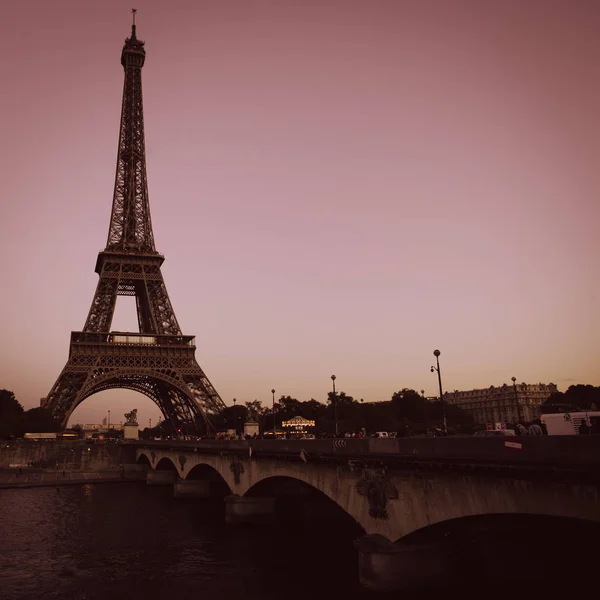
569	423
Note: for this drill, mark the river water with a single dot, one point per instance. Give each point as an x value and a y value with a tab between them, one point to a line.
129	540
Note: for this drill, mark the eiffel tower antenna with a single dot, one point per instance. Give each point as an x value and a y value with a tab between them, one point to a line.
157	360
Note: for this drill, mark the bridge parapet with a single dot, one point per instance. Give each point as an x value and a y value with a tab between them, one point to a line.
580	452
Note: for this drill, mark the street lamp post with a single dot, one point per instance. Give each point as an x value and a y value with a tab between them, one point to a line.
109	419
514	380
237	421
335	418
437	353
273	392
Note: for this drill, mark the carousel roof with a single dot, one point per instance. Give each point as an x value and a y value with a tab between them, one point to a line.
298	422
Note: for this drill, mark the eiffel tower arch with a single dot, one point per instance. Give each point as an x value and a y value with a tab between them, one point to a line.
157	360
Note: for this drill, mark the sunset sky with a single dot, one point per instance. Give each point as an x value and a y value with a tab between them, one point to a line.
338	186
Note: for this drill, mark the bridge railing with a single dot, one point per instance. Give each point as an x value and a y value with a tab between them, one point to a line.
547	451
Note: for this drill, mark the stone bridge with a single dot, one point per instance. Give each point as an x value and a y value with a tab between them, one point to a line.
390	488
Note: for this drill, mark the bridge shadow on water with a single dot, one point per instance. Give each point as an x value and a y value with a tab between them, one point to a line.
308	549
514	553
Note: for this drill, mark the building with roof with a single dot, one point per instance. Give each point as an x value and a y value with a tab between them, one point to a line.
505	403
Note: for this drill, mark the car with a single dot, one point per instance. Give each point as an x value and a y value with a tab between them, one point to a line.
494	433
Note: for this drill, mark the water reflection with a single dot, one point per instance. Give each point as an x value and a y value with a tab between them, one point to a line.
129	540
133	541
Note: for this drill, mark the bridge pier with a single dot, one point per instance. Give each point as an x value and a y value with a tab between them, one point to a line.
191	488
384	566
139	471
249	510
161	477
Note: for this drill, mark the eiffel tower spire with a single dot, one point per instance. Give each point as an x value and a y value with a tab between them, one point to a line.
130	236
158	360
130	224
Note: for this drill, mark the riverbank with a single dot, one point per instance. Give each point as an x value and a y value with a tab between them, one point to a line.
10	478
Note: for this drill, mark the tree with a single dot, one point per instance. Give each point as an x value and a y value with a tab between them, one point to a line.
290	407
232	417
40	420
11	415
408	404
115	434
555	398
580	396
583	396
256	411
346	408
77	429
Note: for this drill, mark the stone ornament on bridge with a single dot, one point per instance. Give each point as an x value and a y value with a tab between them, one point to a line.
378	489
182	460
237	468
131	417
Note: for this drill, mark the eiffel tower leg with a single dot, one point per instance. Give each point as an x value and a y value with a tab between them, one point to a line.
204	393
64	395
161	308
103	306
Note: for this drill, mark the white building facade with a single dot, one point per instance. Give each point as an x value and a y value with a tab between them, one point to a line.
505	403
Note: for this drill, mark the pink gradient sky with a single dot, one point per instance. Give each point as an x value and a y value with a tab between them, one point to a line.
338	187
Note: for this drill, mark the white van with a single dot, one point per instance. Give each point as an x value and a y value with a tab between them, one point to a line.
569	423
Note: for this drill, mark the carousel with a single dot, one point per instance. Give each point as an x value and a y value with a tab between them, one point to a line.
298	426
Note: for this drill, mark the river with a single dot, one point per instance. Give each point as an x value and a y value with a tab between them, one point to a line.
129	540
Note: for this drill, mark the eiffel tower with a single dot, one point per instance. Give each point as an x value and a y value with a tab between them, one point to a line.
158	361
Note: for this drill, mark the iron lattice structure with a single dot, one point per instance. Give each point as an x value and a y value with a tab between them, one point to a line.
158	360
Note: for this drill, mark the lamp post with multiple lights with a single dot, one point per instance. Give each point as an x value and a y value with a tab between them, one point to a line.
437	353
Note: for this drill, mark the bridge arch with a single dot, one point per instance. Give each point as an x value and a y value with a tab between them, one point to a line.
530	547
143	460
205	472
166	464
502	526
298	499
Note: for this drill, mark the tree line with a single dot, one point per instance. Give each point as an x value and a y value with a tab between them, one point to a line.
15	421
407	412
585	397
